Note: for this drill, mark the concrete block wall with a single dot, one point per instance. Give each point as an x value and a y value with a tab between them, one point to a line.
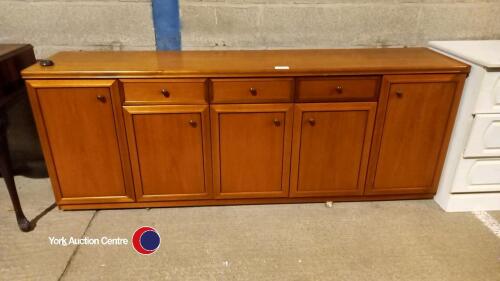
54	25
273	24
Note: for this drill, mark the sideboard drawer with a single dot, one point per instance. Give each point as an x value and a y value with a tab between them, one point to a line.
484	139
337	88
164	91
252	90
488	100
477	175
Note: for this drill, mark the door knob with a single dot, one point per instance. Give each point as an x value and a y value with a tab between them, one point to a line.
165	93
399	94
192	123
276	122
253	91
311	121
101	98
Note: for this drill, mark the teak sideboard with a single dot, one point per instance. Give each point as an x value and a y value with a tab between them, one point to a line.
152	129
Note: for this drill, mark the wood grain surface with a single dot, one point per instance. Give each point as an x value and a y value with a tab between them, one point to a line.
149	64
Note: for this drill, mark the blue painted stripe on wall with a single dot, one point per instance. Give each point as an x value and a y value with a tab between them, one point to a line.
167	24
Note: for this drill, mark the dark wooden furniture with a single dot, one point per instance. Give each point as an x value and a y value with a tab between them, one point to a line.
13	58
152	129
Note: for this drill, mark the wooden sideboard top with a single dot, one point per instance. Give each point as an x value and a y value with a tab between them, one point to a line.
8	50
128	64
13	58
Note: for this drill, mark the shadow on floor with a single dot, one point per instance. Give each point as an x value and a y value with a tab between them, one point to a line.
35	220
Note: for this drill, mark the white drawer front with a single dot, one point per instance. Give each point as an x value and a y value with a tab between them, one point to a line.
484	139
477	175
489	95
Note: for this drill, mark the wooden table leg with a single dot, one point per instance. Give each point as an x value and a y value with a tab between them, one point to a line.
6	171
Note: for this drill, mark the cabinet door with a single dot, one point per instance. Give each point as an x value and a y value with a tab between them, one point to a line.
83	140
331	143
251	150
170	151
414	124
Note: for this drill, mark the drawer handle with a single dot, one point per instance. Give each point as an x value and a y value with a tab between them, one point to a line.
311	121
192	123
253	91
399	94
101	98
276	122
165	93
339	89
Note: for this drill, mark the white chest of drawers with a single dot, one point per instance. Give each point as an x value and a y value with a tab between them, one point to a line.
471	175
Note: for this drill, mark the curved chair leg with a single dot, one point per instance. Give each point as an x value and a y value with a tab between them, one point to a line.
6	171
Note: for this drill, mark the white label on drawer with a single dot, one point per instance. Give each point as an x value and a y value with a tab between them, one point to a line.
281	67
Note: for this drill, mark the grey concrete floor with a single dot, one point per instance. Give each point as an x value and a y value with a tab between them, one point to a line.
398	240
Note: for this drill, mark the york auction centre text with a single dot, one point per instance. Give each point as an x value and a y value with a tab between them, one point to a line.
69	241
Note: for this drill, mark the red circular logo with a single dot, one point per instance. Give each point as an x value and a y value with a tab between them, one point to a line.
146	240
